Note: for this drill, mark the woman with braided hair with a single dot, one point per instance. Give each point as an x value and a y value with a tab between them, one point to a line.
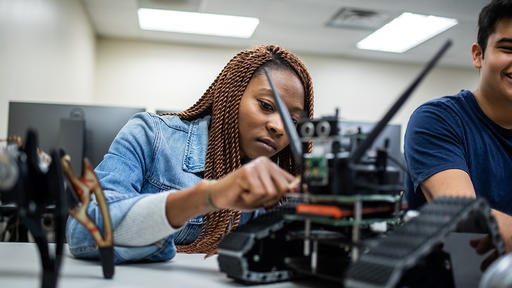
180	182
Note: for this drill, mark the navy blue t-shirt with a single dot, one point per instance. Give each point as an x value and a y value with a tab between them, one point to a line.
452	132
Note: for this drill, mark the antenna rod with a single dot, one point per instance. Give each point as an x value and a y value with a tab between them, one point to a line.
289	127
367	143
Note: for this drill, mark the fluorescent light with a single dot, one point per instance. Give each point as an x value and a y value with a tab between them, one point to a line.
197	23
405	32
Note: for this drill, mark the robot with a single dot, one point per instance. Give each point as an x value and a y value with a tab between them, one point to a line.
350	226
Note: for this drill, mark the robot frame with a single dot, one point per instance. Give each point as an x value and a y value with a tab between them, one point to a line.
349	226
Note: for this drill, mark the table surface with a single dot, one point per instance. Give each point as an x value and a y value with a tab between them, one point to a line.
20	266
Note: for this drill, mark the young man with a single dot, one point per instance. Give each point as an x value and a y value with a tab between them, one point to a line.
461	145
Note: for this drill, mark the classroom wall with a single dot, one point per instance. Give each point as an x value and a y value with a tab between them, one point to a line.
51	54
47	53
365	90
171	76
155	75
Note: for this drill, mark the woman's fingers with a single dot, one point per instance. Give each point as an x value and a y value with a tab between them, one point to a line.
294	186
266	182
266	177
282	182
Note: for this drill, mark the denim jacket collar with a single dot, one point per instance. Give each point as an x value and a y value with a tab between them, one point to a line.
197	143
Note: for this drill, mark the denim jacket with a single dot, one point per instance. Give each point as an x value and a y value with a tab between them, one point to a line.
151	154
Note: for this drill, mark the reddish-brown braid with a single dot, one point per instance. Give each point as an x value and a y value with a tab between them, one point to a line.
222	100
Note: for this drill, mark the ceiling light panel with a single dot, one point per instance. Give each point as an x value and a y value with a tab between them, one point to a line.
405	32
197	23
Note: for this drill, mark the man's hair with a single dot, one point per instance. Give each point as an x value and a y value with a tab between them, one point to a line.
222	101
489	16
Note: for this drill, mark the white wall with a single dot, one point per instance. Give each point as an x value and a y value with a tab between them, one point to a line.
156	76
168	76
47	53
365	90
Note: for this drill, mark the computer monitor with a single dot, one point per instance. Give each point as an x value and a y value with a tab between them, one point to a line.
81	130
392	132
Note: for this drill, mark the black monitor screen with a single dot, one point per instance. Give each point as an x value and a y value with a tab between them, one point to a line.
392	132
87	129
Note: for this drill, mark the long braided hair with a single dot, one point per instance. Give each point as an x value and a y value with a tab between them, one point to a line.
222	100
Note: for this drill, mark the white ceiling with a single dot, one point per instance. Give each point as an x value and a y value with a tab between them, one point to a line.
299	25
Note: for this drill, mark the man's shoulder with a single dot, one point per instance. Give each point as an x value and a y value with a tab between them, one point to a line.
449	102
450	108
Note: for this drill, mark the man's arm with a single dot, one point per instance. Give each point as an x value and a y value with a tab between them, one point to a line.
455	182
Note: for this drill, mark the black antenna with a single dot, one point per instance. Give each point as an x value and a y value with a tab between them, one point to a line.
361	149
289	127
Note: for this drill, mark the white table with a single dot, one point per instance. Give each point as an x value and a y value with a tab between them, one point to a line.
20	266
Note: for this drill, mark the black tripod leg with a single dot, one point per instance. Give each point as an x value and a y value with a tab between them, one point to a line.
107	261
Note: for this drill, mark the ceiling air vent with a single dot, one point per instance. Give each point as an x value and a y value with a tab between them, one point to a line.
357	18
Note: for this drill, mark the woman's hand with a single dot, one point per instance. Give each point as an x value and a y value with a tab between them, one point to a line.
259	183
